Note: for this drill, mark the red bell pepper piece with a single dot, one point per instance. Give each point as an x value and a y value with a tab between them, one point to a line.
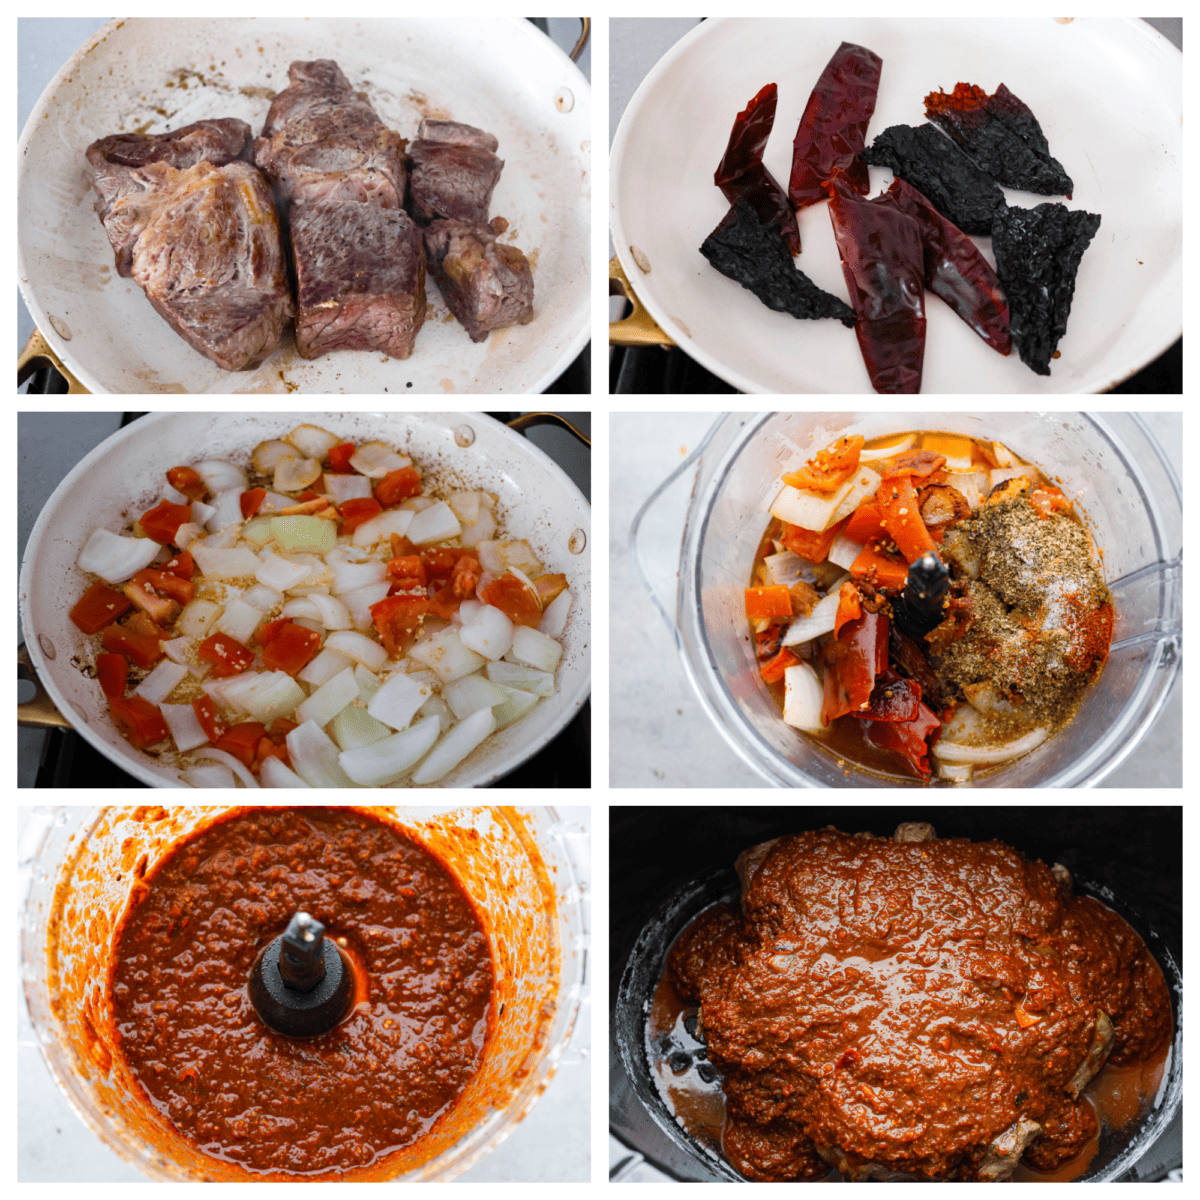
864	524
112	670
339	458
916	464
181	564
900	509
852	661
763	603
227	655
211	721
909	739
397	486
741	174
955	270
828	469
833	128
251	502
879	568
291	649
99	606
242	741
139	722
140	649
162	522
772	672
849	607
166	583
808	543
358	512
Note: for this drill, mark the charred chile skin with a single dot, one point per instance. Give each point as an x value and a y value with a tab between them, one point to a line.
1002	135
1038	252
750	252
966	196
955	271
884	264
741	174
833	128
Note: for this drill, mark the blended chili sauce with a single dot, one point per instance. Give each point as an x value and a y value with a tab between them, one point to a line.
891	1007
375	1083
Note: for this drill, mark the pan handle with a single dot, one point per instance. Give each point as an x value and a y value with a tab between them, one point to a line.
528	420
38	713
586	22
38	355
639	328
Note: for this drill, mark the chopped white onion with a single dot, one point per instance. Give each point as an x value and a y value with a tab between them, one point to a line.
349	576
331	612
115	558
239	620
302	606
274	694
187	533
262	597
237	563
232	763
197	618
281	574
329	699
435	524
539	683
487	631
554	619
517	704
315	757
397	701
208	775
162	681
803	698
294	474
267	454
454	746
324	667
821	620
533	649
176	649
275	773
381	528
354	727
359	647
380	763
376	460
445	653
313	441
226	510
220	476
184	725
952	752
347	487
471	693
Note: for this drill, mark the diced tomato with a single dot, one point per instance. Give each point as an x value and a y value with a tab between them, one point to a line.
269	749
176	587
919	463
112	670
763	603
181	564
251	502
402	547
879	568
397	486
408	567
549	587
439	562
397	620
339	457
810	544
211	721
162	522
140	723
100	605
159	609
141	651
772	672
466	575
828	469
270	630
864	523
897	500
141	625
358	512
291	649
444	603
517	602
280	728
188	481
909	739
852	661
227	655
242	741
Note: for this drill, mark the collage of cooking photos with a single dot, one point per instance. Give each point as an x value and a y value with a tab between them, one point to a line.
672	978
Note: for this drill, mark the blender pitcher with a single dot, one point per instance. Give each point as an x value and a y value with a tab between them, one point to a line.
1109	464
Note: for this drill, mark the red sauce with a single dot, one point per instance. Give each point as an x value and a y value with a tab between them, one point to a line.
378	1081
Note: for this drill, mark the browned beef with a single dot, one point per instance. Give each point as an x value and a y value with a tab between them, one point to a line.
324	141
115	164
486	284
209	259
360	276
454	172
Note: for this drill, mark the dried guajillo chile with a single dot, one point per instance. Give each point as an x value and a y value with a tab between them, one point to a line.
741	174
954	268
748	250
941	172
1002	135
1038	251
884	263
833	128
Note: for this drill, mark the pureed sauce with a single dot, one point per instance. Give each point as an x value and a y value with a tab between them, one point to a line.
375	1083
1015	649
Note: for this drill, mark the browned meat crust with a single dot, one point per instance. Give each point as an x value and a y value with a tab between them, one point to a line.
454	172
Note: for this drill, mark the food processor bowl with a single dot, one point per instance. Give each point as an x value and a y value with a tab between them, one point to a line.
1108	464
525	871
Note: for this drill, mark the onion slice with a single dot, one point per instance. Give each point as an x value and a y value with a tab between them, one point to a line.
232	763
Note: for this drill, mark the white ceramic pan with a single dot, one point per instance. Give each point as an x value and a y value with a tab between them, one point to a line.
1108	94
154	75
124	475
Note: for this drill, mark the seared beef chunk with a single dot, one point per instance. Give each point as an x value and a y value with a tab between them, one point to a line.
360	276
486	284
324	141
911	1008
203	243
115	165
454	172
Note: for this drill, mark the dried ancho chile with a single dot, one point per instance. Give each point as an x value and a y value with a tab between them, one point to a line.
884	264
942	173
1038	251
741	174
834	126
1002	135
954	269
750	252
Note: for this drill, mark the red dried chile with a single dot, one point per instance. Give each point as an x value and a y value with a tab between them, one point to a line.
833	128
883	261
853	660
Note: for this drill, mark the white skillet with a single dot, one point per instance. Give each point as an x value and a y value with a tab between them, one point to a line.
1108	94
153	75
124	475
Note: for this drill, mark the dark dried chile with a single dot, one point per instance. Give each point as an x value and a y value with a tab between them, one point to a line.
834	125
894	699
1038	251
750	252
1002	135
741	174
884	264
940	171
908	657
954	268
909	739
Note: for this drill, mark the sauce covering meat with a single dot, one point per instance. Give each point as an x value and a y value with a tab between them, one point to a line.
903	1008
378	1081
